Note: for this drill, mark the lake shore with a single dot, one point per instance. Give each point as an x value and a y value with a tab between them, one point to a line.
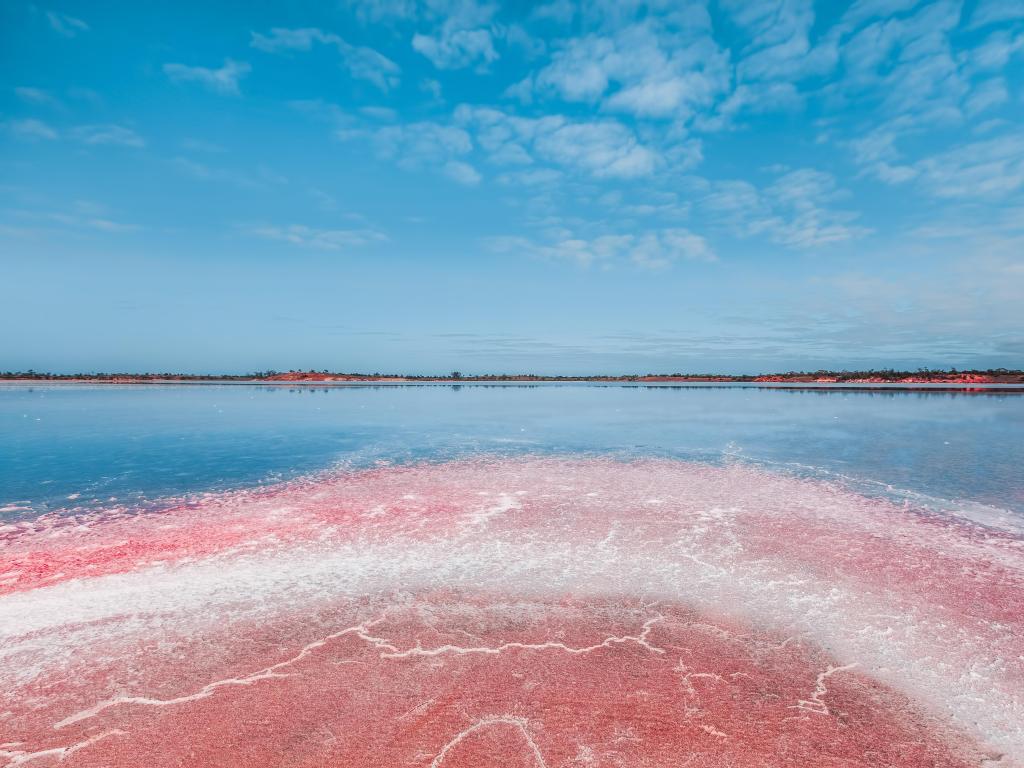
1012	384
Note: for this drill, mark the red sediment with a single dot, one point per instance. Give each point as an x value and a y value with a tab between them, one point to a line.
312	376
955	378
565	683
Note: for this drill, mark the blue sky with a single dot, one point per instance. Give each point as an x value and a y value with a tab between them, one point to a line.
737	185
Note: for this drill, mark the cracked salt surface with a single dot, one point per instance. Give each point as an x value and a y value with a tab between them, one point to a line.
747	616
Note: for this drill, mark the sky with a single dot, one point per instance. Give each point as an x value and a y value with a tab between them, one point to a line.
734	186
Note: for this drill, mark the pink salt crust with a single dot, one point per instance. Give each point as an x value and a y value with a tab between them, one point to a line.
514	612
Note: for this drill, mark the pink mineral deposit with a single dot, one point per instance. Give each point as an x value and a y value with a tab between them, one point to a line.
514	612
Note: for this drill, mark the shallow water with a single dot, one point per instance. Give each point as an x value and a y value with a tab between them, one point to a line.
510	576
79	446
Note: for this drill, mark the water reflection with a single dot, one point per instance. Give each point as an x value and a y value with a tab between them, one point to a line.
149	441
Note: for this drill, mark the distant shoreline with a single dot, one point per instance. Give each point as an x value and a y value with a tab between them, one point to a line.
661	382
922	376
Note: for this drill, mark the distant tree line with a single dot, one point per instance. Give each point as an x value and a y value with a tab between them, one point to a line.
883	374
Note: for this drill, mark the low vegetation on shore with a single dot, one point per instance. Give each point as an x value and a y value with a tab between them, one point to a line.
884	376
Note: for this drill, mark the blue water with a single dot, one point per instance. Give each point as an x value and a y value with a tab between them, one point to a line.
72	446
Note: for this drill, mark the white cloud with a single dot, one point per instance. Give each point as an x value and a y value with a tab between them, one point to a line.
511	153
995	11
464	37
114	135
452	34
283	39
30	128
864	10
605	149
433	87
415	145
878	156
601	148
453	49
908	65
379	113
793	211
462	172
659	250
752	98
987	95
665	205
35	95
803	187
530	46
83	215
662	97
423	145
65	25
579	72
909	74
383	10
521	91
654	250
995	52
684	155
261	177
106	225
223	80
640	70
780	45
558	11
534	177
362	62
202	145
318	239
983	169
